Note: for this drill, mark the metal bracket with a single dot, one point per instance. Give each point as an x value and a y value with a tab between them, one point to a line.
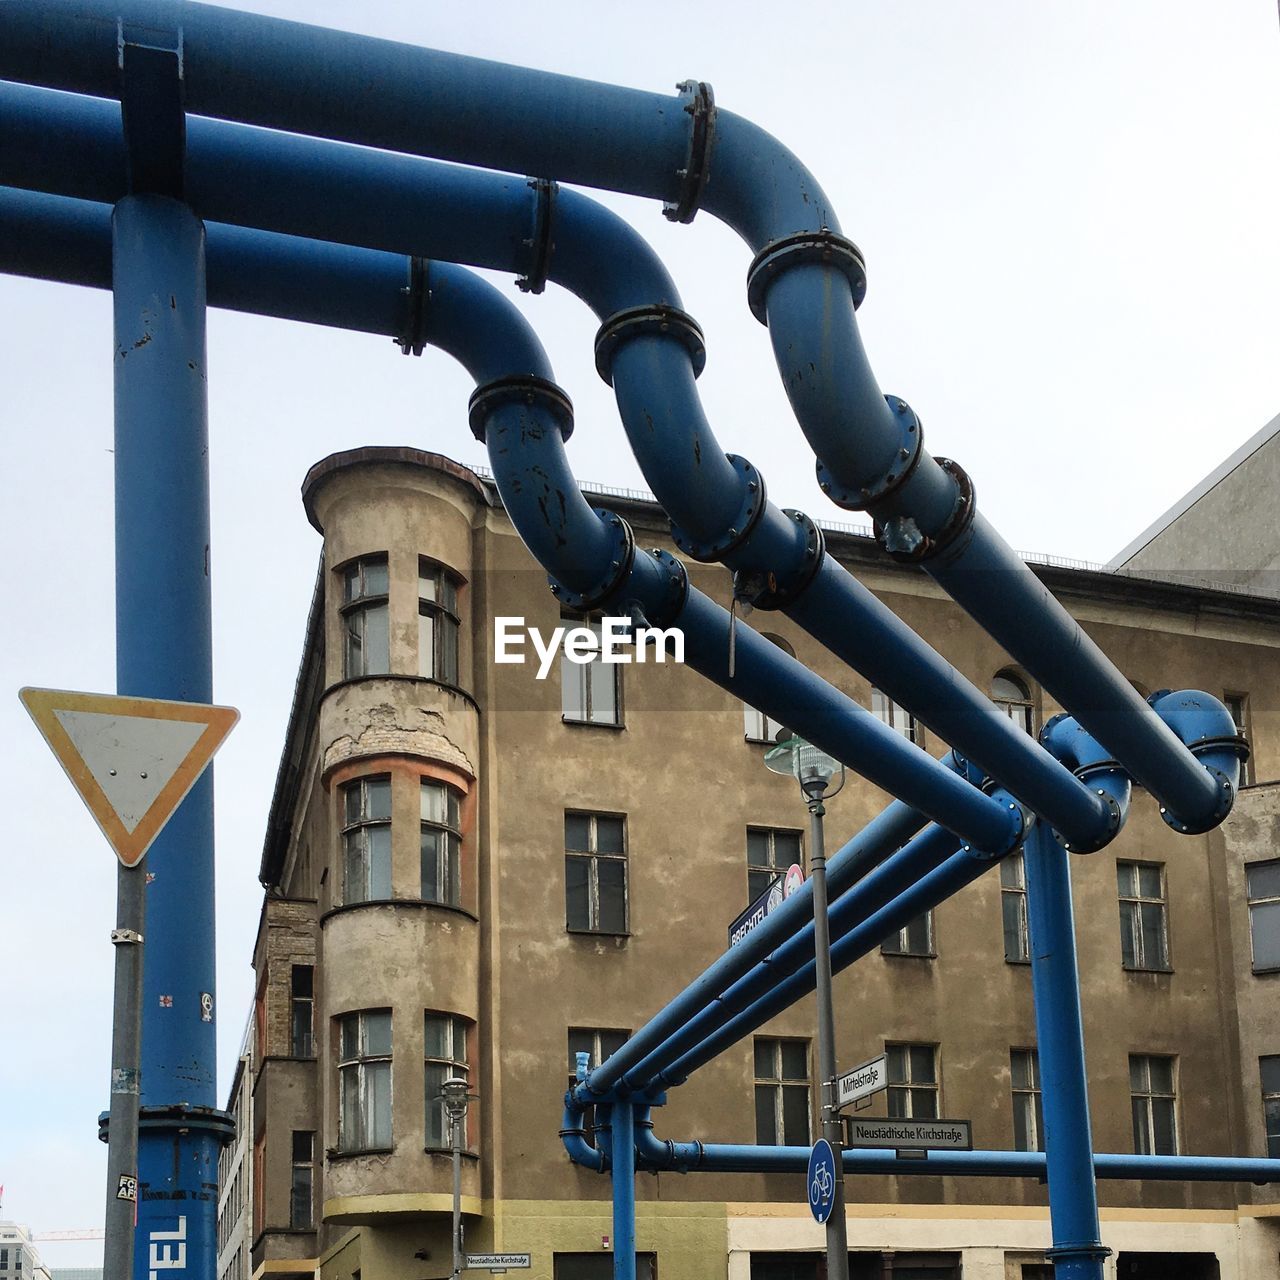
540	243
125	937
624	551
824	247
700	104
902	539
417	296
907	459
764	589
748	516
519	387
152	93
660	319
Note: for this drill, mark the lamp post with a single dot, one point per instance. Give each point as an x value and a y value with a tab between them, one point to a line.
814	770
454	1100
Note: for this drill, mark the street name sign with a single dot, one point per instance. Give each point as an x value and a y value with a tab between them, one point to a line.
132	760
756	914
822	1180
498	1261
862	1081
911	1135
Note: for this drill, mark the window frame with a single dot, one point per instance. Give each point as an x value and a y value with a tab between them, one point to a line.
901	943
296	1167
359	606
299	1003
364	823
1013	897
448	852
1262	900
1031	1096
581	673
1022	709
444	1067
446	618
904	1090
891	713
778	1085
598	1055
1132	931
1236	700
364	1066
774	870
1271	1136
1147	1099
593	857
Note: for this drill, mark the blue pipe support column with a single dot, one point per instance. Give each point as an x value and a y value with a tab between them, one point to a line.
623	1173
1078	1251
164	650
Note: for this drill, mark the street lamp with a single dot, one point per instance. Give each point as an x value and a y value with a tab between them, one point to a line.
454	1100
814	770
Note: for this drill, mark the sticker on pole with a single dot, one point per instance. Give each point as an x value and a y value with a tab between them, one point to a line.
132	760
822	1180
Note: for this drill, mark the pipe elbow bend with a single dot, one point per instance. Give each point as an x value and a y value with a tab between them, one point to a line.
574	1139
1206	728
1073	746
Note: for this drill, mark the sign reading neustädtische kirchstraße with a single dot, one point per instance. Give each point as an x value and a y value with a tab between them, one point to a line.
498	1261
912	1135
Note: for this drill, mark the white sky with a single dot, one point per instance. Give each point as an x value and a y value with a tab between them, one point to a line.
1067	210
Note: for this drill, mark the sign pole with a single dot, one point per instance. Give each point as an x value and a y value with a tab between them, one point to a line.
126	1050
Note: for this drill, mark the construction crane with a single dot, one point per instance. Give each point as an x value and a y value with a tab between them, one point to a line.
80	1233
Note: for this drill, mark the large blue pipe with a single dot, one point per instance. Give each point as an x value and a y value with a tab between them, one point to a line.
806	281
623	1172
164	650
488	220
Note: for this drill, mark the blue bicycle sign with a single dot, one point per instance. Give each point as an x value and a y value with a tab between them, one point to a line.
822	1180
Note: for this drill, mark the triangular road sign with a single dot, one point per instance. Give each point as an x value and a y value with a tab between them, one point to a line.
131	759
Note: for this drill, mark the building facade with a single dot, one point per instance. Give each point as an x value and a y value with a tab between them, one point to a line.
471	870
19	1257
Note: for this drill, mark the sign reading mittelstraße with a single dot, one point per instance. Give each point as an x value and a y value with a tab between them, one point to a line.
912	1135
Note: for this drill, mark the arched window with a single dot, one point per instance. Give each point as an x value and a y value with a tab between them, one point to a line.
757	726
1012	696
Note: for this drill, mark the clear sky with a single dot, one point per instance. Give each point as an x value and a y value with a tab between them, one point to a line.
1067	210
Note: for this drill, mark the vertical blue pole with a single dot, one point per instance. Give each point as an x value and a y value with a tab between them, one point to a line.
164	650
1077	1251
624	1191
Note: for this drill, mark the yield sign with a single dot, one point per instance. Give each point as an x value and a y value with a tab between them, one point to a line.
131	759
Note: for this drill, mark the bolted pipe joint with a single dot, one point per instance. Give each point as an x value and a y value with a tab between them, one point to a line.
1023	818
616	571
901	537
792	571
574	1138
1205	727
905	460
822	247
519	388
1064	738
751	486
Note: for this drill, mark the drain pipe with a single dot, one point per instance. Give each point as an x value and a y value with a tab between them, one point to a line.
648	348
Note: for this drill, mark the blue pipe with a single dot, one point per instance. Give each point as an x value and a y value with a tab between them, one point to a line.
1077	1251
1071	743
1201	722
623	1172
164	650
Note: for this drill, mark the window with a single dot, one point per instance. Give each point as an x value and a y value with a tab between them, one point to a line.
441	841
589	690
769	853
915	938
364	1080
366	632
1263	879
303	1166
366	840
444	1054
896	717
438	622
1014	698
758	727
913	1081
301	1011
599	1044
598	1266
595	873
1155	1126
1028	1111
1270	1070
1238	705
1013	908
782	1093
1144	942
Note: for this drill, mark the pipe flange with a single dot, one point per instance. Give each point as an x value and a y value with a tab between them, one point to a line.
902	538
619	567
823	247
748	516
522	387
1115	820
416	295
700	105
1234	742
660	319
675	590
1226	798
764	589
539	242
906	459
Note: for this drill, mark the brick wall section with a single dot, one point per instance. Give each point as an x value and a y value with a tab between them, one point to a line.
289	938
